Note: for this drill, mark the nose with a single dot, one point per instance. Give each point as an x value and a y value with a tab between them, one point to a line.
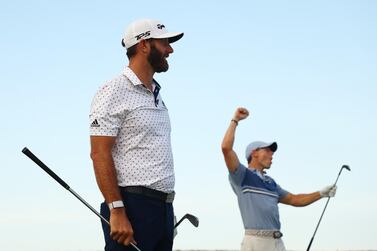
170	49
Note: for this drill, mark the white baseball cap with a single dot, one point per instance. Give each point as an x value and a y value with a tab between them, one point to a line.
147	28
259	144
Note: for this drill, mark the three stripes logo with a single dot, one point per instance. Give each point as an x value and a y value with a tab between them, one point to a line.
95	123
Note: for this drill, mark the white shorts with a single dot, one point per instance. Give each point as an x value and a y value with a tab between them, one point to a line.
256	243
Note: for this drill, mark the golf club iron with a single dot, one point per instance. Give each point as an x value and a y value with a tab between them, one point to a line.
34	158
327	202
193	219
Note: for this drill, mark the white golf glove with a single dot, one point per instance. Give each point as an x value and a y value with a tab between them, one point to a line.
328	191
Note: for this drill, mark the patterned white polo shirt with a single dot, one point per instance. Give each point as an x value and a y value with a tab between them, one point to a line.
124	108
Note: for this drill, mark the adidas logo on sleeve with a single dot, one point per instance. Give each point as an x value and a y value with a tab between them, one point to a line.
95	124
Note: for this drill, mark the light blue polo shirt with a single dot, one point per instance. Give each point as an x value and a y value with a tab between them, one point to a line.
258	197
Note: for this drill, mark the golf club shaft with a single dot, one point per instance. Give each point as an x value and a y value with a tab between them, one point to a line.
34	158
311	240
324	209
28	153
338	176
179	222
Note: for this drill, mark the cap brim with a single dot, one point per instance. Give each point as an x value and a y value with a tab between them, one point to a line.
273	146
171	36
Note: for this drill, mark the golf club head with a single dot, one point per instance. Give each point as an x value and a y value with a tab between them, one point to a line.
341	169
346	167
193	219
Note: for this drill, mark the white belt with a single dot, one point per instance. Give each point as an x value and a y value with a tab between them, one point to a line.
276	234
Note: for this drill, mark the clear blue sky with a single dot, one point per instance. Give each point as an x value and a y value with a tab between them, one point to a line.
305	69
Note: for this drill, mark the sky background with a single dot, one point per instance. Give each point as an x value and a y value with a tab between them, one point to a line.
306	70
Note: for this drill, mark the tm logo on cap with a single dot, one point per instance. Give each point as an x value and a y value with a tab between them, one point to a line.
160	26
144	34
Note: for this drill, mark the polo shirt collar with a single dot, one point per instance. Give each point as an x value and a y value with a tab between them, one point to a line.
260	174
135	80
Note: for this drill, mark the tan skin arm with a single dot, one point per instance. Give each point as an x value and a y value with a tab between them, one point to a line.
104	169
300	200
230	157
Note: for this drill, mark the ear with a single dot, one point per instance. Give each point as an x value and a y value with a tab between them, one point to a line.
143	47
254	153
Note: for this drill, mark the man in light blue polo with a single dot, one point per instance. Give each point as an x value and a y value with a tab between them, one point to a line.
258	194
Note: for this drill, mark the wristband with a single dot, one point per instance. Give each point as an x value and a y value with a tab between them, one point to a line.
115	204
235	121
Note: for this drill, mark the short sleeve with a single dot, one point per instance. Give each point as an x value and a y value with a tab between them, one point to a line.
281	191
108	110
238	175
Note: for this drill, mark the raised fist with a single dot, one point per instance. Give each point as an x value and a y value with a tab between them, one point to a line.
241	113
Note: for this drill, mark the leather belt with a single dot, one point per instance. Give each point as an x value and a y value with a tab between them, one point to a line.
150	193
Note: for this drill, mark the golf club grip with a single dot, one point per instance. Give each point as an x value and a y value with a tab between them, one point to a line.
310	244
37	161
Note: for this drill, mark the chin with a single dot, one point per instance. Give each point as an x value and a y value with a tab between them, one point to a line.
162	68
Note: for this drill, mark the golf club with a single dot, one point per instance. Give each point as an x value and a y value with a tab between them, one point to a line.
34	158
193	219
327	202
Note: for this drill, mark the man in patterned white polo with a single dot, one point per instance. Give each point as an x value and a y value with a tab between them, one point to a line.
131	146
258	194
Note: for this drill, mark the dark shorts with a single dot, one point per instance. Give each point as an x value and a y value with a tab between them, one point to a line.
152	222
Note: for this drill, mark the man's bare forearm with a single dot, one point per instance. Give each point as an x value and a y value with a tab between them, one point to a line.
106	177
104	168
306	199
228	141
301	200
230	157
